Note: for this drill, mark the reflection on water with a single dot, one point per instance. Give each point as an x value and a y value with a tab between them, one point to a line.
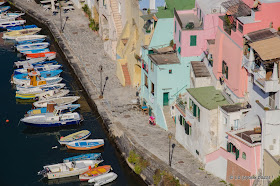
61	180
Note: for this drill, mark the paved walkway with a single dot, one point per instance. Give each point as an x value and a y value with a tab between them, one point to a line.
119	101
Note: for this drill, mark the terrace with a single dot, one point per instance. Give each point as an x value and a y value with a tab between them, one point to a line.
249	137
188	20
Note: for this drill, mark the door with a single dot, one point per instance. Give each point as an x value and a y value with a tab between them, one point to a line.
165	98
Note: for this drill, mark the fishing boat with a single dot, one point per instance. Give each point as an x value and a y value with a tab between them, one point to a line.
13	15
90	156
83	134
103	179
49	55
85	144
21	64
5	24
44	95
34	63
30	37
32	41
4	8
53	119
62	170
36	81
21	27
58	101
35	89
94	172
44	74
35	51
19	33
39	68
68	108
34	46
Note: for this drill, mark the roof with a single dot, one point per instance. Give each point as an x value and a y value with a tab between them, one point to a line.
261	34
200	69
233	108
171	4
268	48
164	59
236	8
208	97
164	49
147	17
185	18
207	6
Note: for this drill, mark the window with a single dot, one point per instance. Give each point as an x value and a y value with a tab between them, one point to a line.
225	70
244	155
236	124
150	52
198	114
191	105
240	27
194	109
152	66
175	26
182	120
103	2
170	71
180	36
224	120
271	100
146	81
231	148
193	41
188	128
153	89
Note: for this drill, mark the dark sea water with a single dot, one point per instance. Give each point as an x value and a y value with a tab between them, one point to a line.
24	150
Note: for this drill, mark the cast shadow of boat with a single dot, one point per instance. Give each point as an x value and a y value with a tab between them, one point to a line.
59	181
99	150
25	101
108	184
29	130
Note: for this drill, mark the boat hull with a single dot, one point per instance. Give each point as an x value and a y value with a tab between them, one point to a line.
58	124
69	138
84	148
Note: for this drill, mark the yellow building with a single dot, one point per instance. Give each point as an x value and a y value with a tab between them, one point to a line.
138	31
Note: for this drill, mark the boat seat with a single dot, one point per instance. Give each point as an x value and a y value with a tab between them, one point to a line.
80	165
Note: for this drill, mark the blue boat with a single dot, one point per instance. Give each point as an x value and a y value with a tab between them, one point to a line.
54	119
31	41
88	144
91	156
34	51
65	109
4	8
52	62
21	27
39	68
44	74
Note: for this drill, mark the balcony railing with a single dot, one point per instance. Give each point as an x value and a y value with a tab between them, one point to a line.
181	104
267	85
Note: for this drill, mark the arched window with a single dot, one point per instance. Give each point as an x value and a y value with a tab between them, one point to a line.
244	155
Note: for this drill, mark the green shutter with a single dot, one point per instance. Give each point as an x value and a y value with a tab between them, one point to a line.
175	26
237	154
193	41
181	120
227	72
187	129
179	50
223	68
190	130
228	147
180	36
150	52
198	114
194	110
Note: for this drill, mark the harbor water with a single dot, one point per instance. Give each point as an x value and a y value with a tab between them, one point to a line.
25	150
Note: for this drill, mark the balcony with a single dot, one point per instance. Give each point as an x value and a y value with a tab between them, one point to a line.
266	81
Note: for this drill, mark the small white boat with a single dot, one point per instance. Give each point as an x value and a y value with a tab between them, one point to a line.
62	170
39	89
19	33
53	94
30	37
21	64
27	82
33	46
103	179
5	24
11	15
58	101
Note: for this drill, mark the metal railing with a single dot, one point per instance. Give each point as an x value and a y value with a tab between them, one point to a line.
180	104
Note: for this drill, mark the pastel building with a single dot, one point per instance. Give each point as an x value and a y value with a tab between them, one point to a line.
163	76
241	18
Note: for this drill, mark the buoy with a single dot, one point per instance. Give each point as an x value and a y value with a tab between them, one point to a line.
61	137
55	147
7	121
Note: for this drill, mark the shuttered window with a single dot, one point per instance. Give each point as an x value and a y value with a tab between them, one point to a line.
193	41
188	128
175	26
180	36
225	69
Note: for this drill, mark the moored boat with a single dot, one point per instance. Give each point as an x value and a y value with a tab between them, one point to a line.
68	169
83	134
58	101
43	74
39	68
50	108
13	23
85	144
29	37
103	179
49	55
94	172
34	46
90	156
4	8
34	51
18	33
21	27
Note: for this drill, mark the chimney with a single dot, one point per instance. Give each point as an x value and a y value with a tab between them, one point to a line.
152	4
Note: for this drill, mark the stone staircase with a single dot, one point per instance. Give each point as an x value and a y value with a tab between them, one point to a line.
117	17
169	121
126	75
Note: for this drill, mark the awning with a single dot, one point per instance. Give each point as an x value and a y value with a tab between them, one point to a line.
267	49
148	17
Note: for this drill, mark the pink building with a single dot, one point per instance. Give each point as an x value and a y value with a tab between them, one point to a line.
241	18
239	162
192	28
